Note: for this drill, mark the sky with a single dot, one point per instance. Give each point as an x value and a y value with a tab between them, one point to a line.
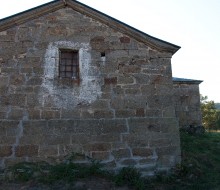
192	24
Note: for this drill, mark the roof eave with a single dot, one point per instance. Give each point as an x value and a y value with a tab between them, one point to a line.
156	43
30	14
186	81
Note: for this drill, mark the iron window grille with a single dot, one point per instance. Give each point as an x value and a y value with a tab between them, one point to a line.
69	64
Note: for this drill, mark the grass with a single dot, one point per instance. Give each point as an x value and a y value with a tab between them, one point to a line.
200	169
201	159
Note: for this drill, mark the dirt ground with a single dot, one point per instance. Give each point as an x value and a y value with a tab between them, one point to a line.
94	183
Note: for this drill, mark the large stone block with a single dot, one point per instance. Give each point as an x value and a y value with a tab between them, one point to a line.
144	125
100	104
16	100
130	69
142	78
4	91
71	114
34	81
100	155
132	92
160	142
118	90
81	139
114	55
110	137
112	80
30	62
142	152
57	140
73	149
4	81
97	147
125	113
17	80
125	39
51	150
121	153
26	150
117	103
103	114
140	112
7	140
16	114
134	140
5	151
32	100
33	139
128	162
171	150
135	102
6	126
36	128
22	89
114	126
125	79
34	114
50	114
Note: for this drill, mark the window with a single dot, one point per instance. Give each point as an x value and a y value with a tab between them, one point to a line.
69	64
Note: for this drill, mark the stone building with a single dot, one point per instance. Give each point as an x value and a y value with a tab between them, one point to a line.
187	101
74	80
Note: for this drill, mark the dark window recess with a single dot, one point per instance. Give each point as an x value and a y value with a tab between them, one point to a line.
102	54
69	64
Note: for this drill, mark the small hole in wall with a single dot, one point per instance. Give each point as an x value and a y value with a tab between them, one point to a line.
102	54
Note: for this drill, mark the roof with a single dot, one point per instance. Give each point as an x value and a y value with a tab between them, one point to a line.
36	12
186	81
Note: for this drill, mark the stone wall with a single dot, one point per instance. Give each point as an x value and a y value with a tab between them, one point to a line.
187	102
121	111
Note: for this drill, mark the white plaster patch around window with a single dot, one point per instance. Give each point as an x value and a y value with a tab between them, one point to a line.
86	92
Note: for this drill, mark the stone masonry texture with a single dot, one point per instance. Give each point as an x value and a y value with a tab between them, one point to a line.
187	104
121	112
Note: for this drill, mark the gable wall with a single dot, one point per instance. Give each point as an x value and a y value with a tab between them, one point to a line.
121	112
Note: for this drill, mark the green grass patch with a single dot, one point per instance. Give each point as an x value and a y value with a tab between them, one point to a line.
200	167
201	159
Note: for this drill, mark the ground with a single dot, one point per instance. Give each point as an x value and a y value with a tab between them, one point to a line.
93	183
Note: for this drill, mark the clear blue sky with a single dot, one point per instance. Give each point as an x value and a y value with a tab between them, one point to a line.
192	24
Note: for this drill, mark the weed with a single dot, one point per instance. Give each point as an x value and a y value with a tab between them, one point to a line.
130	176
67	171
23	171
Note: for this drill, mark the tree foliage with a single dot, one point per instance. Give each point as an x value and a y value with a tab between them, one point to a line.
210	115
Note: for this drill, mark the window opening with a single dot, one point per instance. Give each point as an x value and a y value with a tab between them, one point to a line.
102	54
69	64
